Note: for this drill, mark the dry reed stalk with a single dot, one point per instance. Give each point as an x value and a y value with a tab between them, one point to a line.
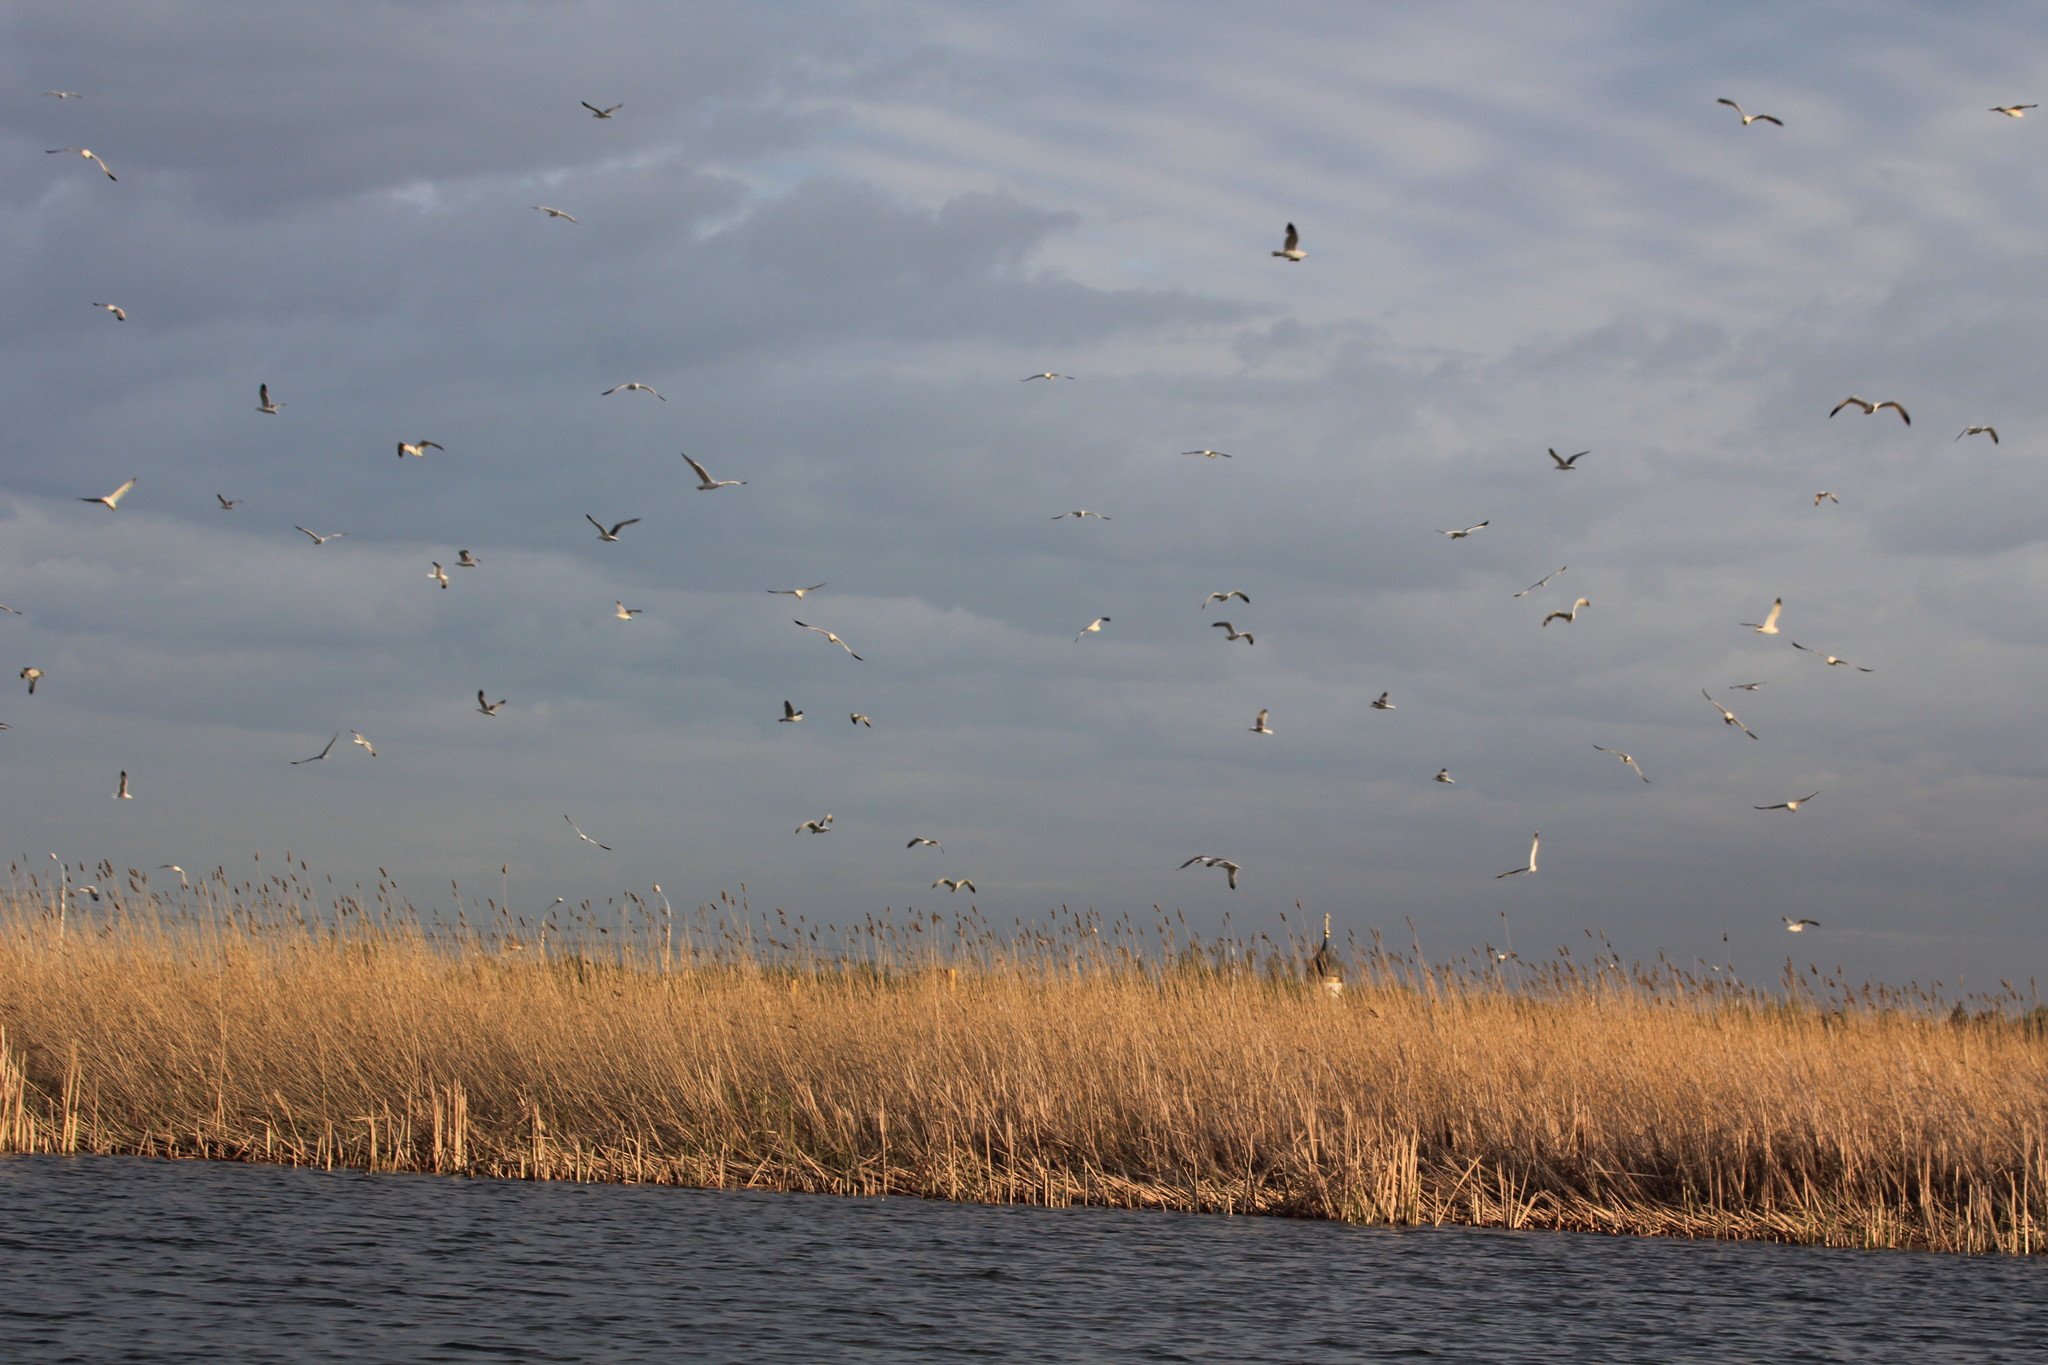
1055	1067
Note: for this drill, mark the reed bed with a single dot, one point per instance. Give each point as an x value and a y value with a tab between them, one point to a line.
1076	1061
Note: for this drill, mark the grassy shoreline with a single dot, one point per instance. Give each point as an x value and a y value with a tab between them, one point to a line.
1070	1064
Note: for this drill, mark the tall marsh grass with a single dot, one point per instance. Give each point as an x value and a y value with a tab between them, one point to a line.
1074	1061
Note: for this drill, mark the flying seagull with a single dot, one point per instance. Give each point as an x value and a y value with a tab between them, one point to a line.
613	533
465	560
30	675
73	94
358	739
1290	249
1748	119
1568	617
1568	464
797	593
1211	454
1832	661
1628	760
707	484
790	715
1799	926
856	718
226	505
823	826
263	403
88	154
1535	840
1230	869
1046	375
322	754
120	313
1790	805
929	843
1093	627
830	636
1727	716
1084	512
113	499
1259	726
11	611
953	884
1540	582
1238	593
585	837
2009	110
630	386
1992	432
1460	535
121	792
1825	496
1744	687
489	708
596	112
419	448
552	213
1443	775
1871	409
624	612
1232	632
1769	625
320	539
1382	702
439	575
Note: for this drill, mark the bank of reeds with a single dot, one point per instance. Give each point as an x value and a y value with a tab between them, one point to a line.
1072	1062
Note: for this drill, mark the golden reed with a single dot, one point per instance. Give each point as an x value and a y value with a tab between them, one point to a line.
1076	1062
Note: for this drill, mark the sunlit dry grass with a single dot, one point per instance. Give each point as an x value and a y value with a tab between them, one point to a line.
1078	1062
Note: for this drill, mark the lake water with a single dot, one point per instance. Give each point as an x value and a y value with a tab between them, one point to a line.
107	1259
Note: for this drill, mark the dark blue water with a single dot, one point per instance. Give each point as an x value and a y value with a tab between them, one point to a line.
110	1259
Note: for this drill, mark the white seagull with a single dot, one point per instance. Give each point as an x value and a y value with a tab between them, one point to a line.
113	499
1047	375
1443	775
585	837
1769	625
1535	840
1093	627
797	593
1568	617
1290	248
489	708
1727	716
624	612
953	884
419	448
1825	496
1831	661
227	504
1628	760
823	826
1748	119
1992	432
1540	582
929	843
2009	110
439	575
1744	687
1083	512
612	533
1460	535
1789	805
30	676
1239	593
596	112
1210	454
1871	409
322	754
857	718
1799	926
465	560
707	484
830	636
318	539
1568	464
264	404
1230	869
358	739
552	213
121	792
1232	632
631	386
73	94
1259	726
120	313
88	154
1384	702
790	715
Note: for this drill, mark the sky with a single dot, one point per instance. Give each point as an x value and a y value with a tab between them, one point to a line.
835	238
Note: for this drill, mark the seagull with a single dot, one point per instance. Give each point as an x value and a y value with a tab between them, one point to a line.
1545	579
790	715
1832	661
797	593
585	837
358	739
1238	593
1567	465
929	843
953	883
1568	617
1047	375
1871	409
1744	687
1534	841
1084	512
1748	119
1727	716
120	313
2009	110
624	612
465	560
858	719
10	610
113	499
1443	775
88	154
1259	726
1789	805
707	484
1992	432
1232	632
830	636
630	386
319	539
489	708
322	754
30	675
173	867
823	826
73	94
1799	926
227	505
613	533
121	792
1290	249
552	213
1460	535
1211	454
1769	625
439	575
1382	702
596	112
1825	496
1211	860
418	448
1627	759
1093	627
263	403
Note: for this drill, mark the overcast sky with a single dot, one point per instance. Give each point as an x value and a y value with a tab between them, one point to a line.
835	238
